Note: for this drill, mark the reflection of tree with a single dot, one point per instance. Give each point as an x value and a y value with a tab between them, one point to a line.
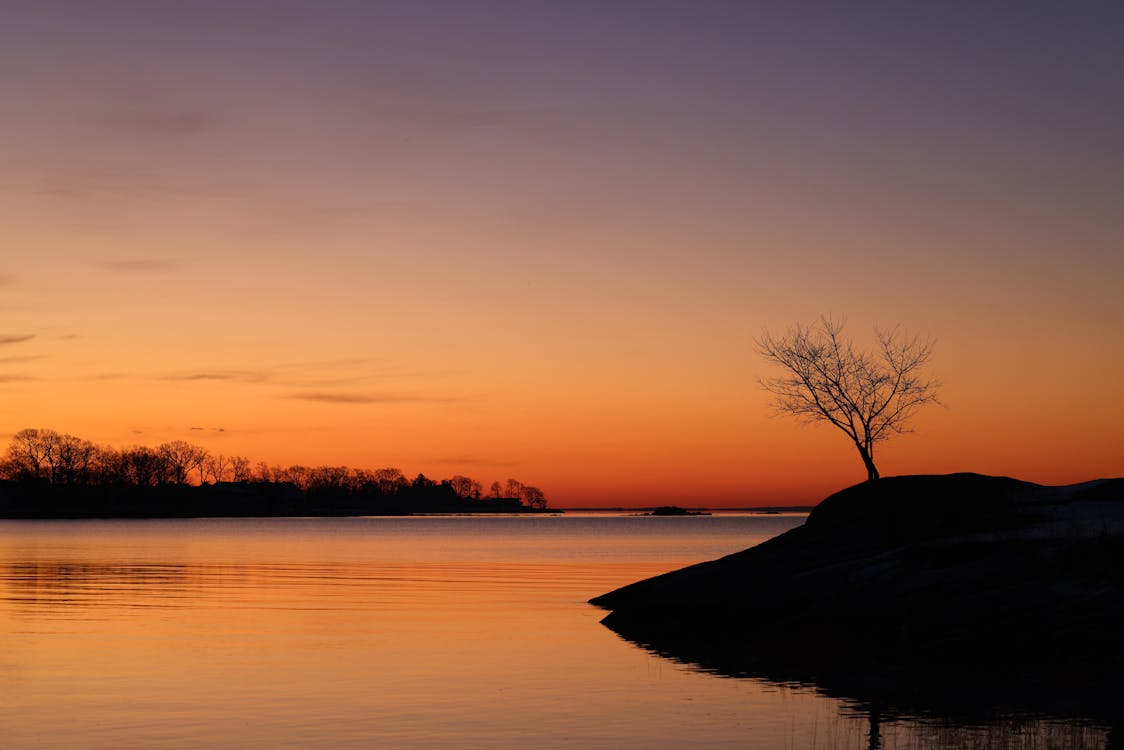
874	733
38	586
959	706
92	584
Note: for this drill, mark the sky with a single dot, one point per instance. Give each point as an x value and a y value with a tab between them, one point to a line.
538	239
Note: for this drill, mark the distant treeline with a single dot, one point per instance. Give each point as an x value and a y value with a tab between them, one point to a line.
46	474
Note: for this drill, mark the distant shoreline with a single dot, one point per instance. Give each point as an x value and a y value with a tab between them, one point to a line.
764	510
38	500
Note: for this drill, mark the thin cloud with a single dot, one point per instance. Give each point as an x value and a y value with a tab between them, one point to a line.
7	279
340	398
326	380
16	378
22	358
104	376
207	429
140	265
332	375
230	376
364	398
16	338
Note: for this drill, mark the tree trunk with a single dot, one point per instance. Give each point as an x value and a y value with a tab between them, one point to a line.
868	462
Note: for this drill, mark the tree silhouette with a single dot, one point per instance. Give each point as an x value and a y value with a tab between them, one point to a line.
46	474
513	488
182	458
870	396
533	497
390	480
465	487
214	466
46	454
29	454
240	469
142	466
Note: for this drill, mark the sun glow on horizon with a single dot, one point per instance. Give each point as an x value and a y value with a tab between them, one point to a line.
538	240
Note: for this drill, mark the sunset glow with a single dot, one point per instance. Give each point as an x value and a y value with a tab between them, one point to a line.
537	240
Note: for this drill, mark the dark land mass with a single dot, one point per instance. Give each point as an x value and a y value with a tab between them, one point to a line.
675	510
928	595
40	499
766	510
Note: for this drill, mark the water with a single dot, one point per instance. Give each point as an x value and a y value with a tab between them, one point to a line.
465	632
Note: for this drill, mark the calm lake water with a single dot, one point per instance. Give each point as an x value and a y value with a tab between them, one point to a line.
425	632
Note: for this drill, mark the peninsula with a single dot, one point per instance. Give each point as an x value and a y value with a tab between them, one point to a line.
906	573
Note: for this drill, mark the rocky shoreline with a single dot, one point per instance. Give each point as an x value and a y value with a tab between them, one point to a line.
906	574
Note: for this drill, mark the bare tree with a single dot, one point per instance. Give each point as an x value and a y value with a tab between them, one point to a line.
513	488
328	477
390	480
145	467
182	458
298	475
240	469
46	454
29	455
465	487
870	396
533	497
216	467
263	472
74	459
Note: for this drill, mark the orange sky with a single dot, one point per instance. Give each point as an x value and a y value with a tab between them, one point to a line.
537	240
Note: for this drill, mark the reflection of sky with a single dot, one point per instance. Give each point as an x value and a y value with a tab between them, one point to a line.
404	633
408	633
538	238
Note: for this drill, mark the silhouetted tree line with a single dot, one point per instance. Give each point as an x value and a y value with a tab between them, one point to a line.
46	474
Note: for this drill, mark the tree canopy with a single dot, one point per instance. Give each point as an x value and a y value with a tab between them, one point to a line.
67	475
868	395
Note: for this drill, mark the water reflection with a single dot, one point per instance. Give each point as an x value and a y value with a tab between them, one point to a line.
404	633
957	708
73	588
44	586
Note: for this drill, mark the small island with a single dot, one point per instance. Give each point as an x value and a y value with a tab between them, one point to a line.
675	510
